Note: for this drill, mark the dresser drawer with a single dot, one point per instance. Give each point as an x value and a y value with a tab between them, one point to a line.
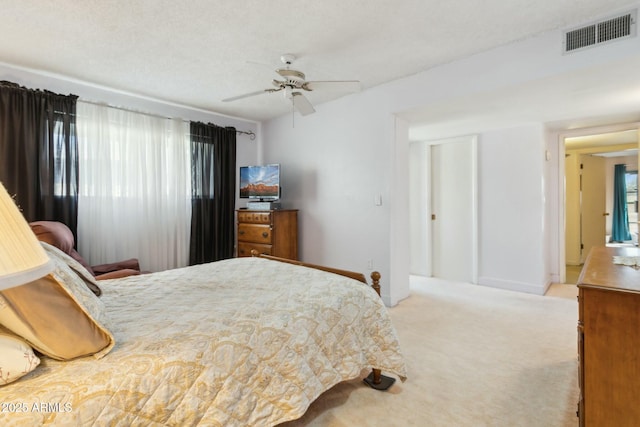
255	233
254	217
270	232
244	249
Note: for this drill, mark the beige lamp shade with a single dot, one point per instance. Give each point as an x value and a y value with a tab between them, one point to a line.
22	258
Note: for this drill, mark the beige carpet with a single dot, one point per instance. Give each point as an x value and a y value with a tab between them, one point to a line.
477	356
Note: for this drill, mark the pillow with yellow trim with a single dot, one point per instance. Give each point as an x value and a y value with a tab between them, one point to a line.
16	357
57	314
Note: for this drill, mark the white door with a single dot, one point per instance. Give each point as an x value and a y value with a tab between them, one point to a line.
453	210
592	203
419	209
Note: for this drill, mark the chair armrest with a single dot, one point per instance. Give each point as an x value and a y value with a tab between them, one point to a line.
117	274
131	264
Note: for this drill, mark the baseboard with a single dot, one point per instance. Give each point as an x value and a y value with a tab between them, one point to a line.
530	288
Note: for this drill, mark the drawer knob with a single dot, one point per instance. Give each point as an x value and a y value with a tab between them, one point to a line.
241	232
265	234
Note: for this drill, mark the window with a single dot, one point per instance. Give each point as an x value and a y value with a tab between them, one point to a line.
63	159
631	181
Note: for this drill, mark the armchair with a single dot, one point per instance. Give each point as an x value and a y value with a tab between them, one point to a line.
59	235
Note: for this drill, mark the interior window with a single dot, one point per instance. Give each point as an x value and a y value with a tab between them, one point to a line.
632	201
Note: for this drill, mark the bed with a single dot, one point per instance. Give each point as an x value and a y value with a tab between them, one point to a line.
239	342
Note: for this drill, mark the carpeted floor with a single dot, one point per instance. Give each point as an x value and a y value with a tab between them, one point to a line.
477	356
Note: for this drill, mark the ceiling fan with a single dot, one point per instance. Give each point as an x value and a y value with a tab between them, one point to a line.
293	85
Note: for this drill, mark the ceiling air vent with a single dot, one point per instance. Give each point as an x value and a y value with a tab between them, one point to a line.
619	27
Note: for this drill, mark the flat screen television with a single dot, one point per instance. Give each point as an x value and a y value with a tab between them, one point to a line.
260	182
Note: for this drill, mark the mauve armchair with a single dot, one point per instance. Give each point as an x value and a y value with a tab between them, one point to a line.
59	235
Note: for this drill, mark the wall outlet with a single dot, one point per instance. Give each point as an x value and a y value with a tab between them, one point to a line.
370	264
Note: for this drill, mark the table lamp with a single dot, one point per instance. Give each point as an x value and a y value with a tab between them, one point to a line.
22	258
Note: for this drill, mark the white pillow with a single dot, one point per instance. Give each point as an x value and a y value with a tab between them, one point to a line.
16	357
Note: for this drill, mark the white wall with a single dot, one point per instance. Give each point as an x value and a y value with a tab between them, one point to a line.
553	200
511	209
333	171
349	151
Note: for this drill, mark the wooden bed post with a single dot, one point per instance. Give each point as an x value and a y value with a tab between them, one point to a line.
375	282
375	379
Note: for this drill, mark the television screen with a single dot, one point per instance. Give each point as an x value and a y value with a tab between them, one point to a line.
260	182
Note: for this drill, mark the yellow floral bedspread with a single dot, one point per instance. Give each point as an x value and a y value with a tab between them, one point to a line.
239	342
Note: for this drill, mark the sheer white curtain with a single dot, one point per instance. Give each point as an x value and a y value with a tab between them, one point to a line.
134	198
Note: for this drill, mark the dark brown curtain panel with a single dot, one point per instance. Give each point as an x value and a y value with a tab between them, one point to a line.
213	182
38	152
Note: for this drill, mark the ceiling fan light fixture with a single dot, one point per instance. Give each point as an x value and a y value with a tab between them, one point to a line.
288	92
294	80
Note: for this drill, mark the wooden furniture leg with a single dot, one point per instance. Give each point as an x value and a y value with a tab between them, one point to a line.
375	379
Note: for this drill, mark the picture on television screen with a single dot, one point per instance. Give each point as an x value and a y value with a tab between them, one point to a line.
260	182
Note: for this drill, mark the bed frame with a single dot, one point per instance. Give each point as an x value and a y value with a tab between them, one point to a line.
375	379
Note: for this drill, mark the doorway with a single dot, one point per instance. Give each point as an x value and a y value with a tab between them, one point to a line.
443	209
589	165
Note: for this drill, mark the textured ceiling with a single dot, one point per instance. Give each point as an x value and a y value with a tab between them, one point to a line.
199	52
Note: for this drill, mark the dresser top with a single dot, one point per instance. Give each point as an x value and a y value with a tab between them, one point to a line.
599	270
265	210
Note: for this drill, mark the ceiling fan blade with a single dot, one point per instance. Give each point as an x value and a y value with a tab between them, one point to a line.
341	85
247	95
302	104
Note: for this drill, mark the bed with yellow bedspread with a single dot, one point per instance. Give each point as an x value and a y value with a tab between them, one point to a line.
240	342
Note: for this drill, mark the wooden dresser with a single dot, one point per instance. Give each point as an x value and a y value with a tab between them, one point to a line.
273	232
609	340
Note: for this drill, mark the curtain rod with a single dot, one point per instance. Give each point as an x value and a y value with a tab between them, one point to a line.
250	134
